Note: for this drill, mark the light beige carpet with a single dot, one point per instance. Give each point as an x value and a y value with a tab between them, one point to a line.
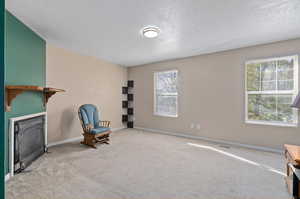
142	165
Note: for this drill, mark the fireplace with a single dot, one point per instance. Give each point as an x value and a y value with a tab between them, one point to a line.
28	140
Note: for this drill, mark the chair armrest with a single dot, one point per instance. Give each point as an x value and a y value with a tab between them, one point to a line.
104	123
88	128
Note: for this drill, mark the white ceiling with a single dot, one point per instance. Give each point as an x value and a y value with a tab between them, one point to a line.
110	29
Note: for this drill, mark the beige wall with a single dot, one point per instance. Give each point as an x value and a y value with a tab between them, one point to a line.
86	80
212	94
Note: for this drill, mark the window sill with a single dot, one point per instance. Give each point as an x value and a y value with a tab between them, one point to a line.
162	115
271	123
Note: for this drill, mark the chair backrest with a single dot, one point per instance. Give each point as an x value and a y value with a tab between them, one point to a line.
89	115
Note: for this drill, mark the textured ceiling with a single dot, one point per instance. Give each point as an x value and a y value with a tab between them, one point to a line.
110	29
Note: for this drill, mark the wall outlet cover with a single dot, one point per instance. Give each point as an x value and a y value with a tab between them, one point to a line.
192	126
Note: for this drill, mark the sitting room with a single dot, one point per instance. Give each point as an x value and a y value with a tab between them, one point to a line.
151	99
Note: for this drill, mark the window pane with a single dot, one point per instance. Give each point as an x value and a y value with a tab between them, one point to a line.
166	82
268	76
166	105
285	64
270	107
253	77
262	107
285	74
285	112
285	84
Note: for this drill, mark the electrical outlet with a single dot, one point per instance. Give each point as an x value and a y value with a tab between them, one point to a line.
198	126
192	125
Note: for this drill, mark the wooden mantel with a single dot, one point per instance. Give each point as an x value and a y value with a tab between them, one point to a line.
12	91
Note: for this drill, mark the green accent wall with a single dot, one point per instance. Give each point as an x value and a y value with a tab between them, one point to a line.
25	64
2	137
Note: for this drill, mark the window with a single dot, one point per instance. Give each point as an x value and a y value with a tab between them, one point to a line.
166	93
271	86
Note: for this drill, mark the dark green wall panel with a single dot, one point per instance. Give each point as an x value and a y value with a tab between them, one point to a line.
2	64
25	64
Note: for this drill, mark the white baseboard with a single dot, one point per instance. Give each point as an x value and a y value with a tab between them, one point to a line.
65	141
77	138
118	129
216	141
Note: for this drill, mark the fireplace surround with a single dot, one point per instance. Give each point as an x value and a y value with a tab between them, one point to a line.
27	140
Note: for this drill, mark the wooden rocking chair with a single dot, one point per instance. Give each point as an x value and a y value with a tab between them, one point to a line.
95	131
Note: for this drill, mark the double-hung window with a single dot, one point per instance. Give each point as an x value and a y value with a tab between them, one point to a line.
271	86
166	93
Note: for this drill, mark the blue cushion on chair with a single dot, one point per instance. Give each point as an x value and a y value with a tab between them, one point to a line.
89	114
99	130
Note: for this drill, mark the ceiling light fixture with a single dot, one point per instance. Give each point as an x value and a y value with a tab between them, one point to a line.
150	31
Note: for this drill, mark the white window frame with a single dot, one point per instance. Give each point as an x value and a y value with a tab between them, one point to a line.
295	92
154	104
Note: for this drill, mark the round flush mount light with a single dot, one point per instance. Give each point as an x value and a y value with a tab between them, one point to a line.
150	31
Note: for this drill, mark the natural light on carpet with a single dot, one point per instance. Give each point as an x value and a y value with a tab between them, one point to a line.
238	158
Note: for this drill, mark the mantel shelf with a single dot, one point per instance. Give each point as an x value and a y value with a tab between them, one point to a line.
12	91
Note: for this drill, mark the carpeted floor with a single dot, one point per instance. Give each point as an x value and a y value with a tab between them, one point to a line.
142	165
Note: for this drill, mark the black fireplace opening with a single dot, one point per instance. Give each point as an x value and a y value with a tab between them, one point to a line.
29	141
